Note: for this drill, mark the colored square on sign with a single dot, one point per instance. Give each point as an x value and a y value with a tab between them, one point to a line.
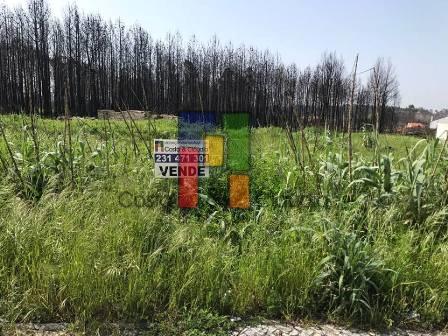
188	186
236	126
239	191
188	195
215	150
192	124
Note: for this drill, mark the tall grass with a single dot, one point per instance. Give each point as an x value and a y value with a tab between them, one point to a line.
373	250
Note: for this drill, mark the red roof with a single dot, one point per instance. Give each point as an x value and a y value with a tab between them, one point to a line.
415	125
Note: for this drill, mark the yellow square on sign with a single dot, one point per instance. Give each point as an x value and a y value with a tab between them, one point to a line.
215	150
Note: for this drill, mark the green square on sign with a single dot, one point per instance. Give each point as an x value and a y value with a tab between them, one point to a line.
236	125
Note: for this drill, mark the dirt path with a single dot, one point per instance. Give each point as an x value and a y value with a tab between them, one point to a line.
268	328
280	329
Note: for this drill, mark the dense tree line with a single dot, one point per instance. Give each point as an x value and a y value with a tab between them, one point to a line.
83	62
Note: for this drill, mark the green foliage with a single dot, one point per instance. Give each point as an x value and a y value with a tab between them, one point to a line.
370	250
368	136
352	278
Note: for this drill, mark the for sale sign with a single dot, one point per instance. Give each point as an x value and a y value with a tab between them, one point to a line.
175	158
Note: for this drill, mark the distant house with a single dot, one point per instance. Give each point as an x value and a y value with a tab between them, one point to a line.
415	128
415	125
441	127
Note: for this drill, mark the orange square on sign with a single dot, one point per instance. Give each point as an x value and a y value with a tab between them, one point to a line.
239	191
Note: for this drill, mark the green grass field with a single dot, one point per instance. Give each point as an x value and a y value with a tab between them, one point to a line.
372	250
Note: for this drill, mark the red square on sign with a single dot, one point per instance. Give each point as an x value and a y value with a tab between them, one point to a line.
188	185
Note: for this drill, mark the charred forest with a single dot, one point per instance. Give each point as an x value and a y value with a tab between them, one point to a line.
82	63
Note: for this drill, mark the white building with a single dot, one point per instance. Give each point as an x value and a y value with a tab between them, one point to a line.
441	125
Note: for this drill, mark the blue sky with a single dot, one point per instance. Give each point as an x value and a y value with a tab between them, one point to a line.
413	34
